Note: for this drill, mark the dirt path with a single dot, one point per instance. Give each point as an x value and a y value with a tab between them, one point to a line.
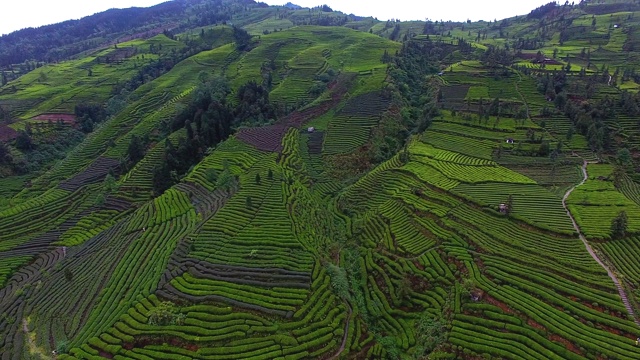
31	343
612	275
344	337
524	99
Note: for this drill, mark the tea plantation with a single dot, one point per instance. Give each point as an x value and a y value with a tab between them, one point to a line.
325	186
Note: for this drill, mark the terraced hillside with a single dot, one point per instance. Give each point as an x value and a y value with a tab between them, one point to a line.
322	192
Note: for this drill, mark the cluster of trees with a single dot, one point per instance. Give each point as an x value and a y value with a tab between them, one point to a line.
408	69
5	154
497	58
543	10
61	41
5	114
629	103
242	39
630	74
38	147
589	120
588	117
88	115
208	120
323	20
413	108
151	71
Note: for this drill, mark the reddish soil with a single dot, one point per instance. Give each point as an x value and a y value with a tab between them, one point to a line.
142	341
418	283
418	265
66	118
7	133
119	55
105	354
504	307
535	325
568	344
527	56
269	138
382	285
618	332
597	308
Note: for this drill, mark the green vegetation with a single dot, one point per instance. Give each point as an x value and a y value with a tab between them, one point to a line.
307	184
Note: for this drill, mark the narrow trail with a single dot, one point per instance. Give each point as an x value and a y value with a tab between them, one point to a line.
524	99
34	350
344	337
612	275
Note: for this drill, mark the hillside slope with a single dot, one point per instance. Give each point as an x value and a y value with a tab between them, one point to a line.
310	189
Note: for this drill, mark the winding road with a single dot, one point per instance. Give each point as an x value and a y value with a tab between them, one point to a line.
612	275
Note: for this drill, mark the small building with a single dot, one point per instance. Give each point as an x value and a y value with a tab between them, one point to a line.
616	26
504	208
476	295
509	141
311	129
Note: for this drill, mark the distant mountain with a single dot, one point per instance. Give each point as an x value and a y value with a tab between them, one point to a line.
290	5
58	42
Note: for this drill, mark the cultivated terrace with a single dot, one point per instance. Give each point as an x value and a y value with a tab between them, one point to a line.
223	179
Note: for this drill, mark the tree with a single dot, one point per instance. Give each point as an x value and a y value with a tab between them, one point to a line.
249	202
136	149
270	174
100	199
242	38
225	180
166	313
68	274
5	154
23	141
544	149
258	179
619	225
618	177
326	8
624	157
110	183
509	205
570	133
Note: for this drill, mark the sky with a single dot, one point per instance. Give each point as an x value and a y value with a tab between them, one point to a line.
19	14
455	10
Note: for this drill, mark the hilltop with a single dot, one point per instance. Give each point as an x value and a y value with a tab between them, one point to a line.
224	179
